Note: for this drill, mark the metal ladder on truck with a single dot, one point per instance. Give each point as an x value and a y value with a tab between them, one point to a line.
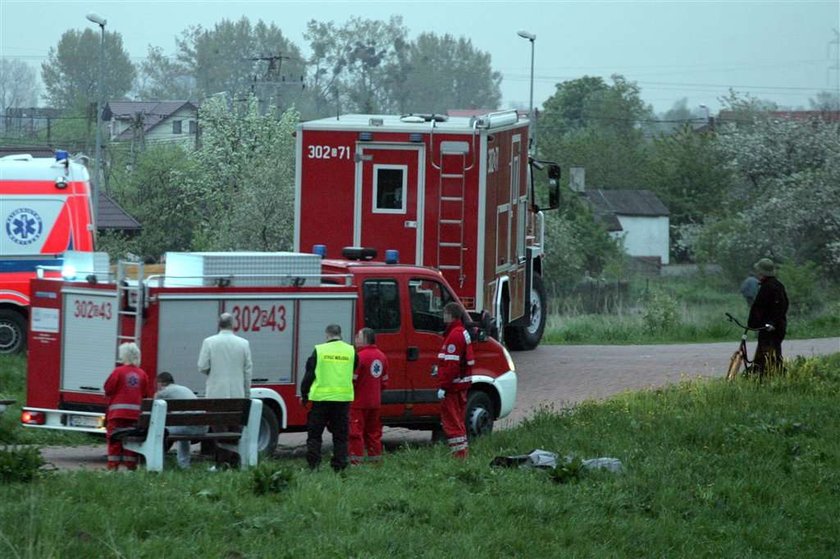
130	303
450	250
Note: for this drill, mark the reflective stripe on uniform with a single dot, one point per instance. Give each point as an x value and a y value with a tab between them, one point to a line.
135	407
448	357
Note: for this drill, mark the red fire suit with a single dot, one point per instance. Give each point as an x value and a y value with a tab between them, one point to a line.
455	362
369	380
125	388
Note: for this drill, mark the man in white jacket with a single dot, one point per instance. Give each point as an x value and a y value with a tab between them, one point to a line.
226	360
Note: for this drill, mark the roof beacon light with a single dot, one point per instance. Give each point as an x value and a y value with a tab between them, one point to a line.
61	155
359	253
392	256
320	250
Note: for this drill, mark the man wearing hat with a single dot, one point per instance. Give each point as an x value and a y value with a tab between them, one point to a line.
768	311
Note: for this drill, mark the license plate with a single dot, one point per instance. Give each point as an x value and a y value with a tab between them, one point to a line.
88	421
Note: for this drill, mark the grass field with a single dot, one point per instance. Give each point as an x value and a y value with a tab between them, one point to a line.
711	470
676	310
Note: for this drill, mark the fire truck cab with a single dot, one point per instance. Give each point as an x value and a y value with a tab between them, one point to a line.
457	194
44	211
281	303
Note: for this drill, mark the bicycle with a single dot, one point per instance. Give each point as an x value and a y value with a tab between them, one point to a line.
740	358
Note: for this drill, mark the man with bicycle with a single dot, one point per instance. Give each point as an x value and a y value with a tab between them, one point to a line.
769	313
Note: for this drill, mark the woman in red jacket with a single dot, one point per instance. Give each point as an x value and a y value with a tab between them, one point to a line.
125	388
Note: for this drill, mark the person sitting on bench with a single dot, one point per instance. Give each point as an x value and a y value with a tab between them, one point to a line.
168	390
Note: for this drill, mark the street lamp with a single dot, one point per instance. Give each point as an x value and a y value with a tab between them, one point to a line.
533	124
97	185
706	110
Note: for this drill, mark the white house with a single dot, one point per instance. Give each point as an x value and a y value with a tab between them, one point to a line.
636	216
152	121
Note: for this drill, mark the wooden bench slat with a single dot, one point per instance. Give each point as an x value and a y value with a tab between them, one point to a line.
204	404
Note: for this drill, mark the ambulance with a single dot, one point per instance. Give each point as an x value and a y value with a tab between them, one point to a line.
458	194
45	210
281	303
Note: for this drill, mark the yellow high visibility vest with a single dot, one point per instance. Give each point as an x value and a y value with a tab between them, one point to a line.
333	372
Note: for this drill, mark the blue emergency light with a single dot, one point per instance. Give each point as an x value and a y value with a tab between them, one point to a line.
320	250
392	256
61	155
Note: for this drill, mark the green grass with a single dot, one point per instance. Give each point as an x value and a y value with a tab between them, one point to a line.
700	305
711	470
13	386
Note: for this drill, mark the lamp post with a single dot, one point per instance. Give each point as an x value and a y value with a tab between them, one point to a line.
708	118
97	185
533	121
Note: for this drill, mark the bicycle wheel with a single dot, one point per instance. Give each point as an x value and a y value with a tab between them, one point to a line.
735	365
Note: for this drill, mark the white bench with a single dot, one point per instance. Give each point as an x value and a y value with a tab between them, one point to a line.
223	413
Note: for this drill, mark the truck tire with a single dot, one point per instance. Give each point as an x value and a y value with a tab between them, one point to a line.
269	431
527	332
480	414
12	331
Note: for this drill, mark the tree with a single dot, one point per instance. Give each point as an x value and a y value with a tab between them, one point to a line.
71	72
442	72
18	84
826	101
244	176
240	59
153	191
357	65
161	78
785	199
590	123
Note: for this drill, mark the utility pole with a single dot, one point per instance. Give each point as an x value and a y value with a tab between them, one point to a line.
835	67
97	183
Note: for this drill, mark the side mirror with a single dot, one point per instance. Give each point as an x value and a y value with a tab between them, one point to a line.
554	174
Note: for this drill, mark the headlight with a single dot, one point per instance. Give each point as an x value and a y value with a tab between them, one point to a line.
511	366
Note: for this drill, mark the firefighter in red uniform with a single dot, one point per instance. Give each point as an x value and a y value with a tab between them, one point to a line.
455	362
369	380
125	388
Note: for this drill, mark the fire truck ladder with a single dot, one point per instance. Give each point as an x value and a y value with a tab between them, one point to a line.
450	251
129	302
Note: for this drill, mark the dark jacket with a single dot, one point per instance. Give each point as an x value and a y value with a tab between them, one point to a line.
770	306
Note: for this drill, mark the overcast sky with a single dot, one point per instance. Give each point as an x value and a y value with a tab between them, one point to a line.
781	51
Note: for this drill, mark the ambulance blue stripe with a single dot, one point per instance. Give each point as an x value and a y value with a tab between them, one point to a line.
26	265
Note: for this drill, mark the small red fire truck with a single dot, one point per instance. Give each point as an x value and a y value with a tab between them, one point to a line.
44	211
451	193
281	303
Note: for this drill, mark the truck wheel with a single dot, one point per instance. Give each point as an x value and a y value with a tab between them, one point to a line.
12	331
269	431
527	333
480	414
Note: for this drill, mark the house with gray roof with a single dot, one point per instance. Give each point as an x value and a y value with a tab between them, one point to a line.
145	122
638	217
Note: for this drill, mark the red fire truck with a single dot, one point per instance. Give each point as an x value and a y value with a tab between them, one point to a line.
282	313
451	193
44	211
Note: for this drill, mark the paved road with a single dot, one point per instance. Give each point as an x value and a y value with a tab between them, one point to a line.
557	375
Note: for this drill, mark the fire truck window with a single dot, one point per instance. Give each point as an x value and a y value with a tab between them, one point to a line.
382	305
427	301
389	189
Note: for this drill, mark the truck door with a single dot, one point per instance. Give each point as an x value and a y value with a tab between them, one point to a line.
382	310
389	200
425	332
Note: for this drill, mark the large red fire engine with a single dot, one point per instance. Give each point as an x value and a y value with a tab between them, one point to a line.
44	211
281	303
451	193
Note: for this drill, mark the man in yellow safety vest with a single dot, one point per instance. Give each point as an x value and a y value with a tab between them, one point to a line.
328	384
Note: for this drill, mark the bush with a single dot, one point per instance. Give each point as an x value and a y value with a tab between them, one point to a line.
660	313
803	286
19	463
270	478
